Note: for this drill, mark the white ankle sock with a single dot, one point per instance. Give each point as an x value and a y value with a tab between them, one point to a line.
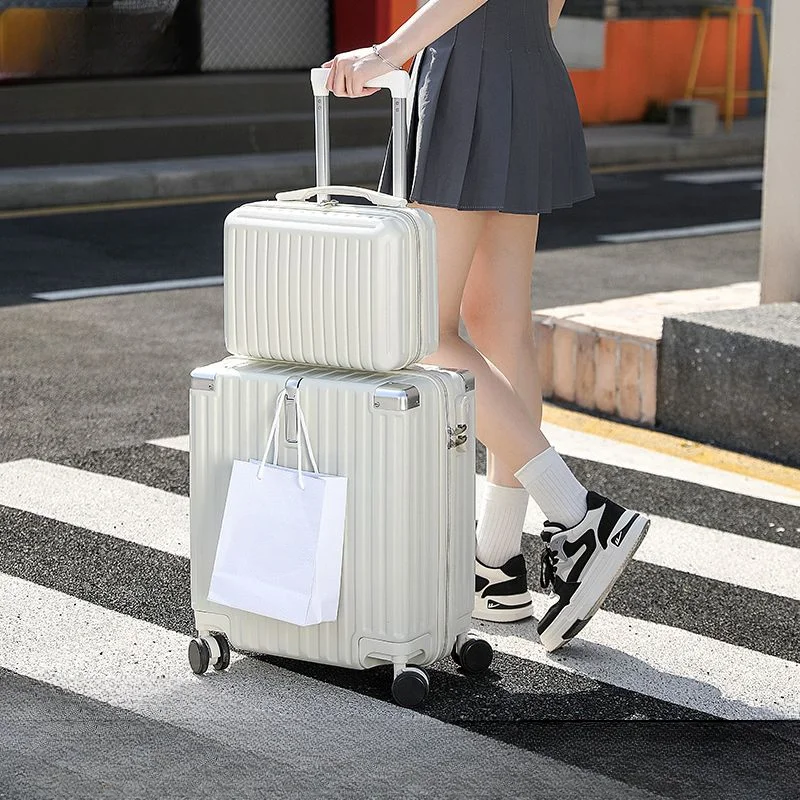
555	489
499	535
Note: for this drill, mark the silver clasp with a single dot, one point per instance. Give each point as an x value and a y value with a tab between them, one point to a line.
291	387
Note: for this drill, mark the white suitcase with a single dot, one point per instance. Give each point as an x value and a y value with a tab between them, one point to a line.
405	440
330	283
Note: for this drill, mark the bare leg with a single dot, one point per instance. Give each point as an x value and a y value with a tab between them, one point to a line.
505	425
496	308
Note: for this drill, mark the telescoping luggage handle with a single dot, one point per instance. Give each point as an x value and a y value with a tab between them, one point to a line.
399	83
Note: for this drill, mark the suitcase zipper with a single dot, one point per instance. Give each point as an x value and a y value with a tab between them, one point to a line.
418	242
456	435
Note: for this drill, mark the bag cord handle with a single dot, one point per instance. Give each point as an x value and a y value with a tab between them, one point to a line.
301	421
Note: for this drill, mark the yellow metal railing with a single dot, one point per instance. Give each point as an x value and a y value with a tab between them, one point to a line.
732	12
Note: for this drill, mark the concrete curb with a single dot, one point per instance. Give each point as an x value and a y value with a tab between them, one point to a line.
40	187
85	184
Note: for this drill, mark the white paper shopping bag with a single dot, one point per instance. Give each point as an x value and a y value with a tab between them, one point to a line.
280	547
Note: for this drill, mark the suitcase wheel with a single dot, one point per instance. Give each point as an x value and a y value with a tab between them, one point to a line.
224	660
473	655
410	687
199	655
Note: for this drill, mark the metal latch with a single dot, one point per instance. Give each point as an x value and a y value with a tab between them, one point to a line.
457	437
291	387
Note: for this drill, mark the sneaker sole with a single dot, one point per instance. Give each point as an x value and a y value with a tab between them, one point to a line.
482	611
573	619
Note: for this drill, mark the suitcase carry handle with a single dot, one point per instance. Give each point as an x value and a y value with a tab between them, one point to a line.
379	198
399	82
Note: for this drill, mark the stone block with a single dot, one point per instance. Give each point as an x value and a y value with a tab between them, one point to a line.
585	369
565	345
732	378
692	117
629	404
605	390
543	341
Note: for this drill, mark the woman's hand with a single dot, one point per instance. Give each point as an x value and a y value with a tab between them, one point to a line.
351	70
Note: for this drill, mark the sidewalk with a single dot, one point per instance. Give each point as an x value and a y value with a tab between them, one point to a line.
633	146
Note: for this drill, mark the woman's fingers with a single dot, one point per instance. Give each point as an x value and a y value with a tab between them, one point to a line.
339	85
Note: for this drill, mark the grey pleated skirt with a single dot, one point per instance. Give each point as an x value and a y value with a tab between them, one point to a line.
493	122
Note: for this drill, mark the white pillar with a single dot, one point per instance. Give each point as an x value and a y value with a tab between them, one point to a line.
780	233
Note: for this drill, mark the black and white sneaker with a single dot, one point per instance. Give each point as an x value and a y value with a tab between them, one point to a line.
581	564
501	593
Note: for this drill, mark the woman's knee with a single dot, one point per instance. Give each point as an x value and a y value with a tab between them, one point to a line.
488	326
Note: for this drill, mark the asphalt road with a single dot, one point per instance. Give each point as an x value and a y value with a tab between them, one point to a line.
67	251
682	686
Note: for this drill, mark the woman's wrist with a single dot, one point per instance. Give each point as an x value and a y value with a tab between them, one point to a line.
392	53
379	51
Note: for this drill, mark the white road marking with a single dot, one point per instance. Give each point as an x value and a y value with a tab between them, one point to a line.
173	442
718	555
305	727
160	520
727	557
711	177
707	553
100	503
680	233
664	662
130	288
619	454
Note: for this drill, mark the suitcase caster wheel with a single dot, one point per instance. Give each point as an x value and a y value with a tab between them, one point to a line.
224	660
410	687
474	657
199	655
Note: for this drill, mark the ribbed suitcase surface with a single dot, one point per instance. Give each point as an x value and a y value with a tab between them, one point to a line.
408	568
345	285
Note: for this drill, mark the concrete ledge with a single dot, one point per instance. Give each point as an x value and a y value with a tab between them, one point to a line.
605	356
77	184
732	378
39	187
654	143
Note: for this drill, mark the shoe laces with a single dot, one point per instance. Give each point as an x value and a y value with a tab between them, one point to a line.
547	567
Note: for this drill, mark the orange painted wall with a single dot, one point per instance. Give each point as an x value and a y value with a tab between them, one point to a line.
390	15
650	59
645	59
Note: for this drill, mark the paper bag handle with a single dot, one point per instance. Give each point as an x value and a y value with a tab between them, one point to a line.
301	420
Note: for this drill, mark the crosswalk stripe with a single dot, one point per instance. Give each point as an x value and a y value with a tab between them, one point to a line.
668	663
160	520
157	519
619	454
259	707
173	442
725	557
718	555
100	503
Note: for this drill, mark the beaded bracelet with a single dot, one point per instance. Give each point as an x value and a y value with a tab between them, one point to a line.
375	50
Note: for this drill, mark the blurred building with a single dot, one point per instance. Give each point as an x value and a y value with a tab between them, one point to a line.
628	57
132	79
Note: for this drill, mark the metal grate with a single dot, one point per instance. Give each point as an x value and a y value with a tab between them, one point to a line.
5	4
264	34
